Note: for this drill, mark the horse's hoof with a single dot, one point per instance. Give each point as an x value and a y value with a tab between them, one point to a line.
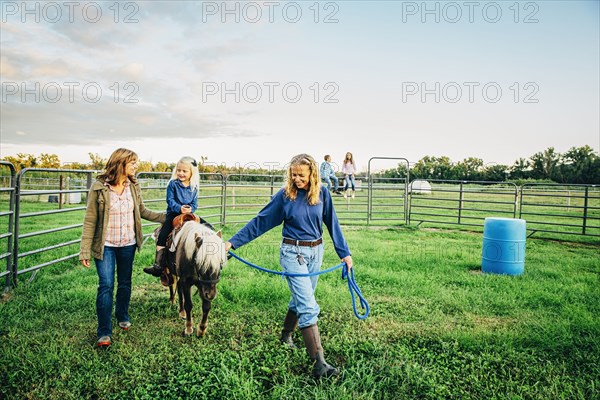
182	315
200	332
186	333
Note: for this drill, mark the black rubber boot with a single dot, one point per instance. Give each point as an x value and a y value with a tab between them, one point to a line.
312	341
289	325
156	269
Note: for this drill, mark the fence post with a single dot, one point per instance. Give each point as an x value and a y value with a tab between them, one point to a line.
60	195
460	202
585	209
17	224
272	185
369	197
224	199
10	255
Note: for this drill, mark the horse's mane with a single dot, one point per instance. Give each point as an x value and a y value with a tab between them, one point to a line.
210	256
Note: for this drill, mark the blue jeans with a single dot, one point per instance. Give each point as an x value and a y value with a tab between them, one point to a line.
328	179
349	177
303	301
122	257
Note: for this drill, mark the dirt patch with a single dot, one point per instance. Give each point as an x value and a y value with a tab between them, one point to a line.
481	321
5	297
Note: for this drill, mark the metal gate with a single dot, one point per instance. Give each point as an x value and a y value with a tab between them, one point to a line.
7	216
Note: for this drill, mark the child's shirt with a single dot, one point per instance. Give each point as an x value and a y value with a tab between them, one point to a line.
326	169
179	195
349	168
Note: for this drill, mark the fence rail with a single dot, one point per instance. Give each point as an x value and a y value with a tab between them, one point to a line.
577	207
34	237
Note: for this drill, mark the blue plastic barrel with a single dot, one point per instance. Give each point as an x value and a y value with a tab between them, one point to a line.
503	246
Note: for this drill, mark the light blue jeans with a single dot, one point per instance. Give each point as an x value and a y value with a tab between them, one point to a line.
328	179
303	301
349	177
122	258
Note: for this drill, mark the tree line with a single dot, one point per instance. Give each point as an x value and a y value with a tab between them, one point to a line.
98	163
577	165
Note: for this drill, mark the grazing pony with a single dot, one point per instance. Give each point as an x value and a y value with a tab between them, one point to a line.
197	261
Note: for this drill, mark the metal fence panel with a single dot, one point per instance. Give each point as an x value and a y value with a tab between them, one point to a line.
560	208
48	192
7	215
387	197
465	203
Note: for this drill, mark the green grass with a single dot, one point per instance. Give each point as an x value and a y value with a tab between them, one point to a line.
438	329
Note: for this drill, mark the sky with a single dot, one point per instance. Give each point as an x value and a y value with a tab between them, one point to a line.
251	84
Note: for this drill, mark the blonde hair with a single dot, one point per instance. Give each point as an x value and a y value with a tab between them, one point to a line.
192	164
116	165
314	181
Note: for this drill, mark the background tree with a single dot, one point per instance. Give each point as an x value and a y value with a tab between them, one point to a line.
543	164
96	161
495	173
144	166
430	167
520	169
77	165
469	169
161	167
580	165
49	161
22	160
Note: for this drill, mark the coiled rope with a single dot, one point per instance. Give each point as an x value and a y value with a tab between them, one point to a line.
352	286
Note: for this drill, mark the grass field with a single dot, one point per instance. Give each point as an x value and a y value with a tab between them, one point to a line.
438	329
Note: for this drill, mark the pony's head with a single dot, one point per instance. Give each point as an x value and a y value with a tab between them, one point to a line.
203	256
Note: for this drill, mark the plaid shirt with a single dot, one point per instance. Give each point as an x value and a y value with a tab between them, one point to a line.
120	231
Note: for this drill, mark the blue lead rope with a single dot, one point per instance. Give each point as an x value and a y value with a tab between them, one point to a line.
352	286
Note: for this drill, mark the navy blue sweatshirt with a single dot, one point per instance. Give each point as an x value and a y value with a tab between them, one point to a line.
301	221
179	195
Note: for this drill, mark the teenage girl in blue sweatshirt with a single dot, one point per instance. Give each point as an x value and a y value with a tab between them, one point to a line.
303	206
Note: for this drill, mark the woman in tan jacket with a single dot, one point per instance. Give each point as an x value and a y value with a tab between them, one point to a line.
112	230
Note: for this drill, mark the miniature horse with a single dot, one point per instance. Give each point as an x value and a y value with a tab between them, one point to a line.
197	261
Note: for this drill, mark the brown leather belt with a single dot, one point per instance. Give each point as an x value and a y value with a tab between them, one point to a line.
303	243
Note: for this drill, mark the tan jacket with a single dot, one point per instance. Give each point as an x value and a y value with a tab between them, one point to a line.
95	222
